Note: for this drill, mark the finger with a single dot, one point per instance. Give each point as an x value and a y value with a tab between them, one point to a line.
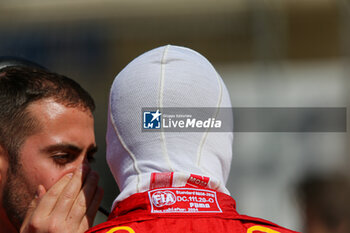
70	193
48	199
85	197
88	219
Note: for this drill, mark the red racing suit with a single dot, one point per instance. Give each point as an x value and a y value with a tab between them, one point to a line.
170	210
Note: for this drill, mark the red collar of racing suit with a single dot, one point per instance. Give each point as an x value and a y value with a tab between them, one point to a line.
141	203
139	207
180	203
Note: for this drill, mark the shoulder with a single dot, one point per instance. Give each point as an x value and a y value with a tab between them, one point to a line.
105	227
258	225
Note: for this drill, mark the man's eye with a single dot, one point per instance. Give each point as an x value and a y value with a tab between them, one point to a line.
62	159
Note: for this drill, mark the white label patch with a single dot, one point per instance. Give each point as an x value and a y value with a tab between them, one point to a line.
183	200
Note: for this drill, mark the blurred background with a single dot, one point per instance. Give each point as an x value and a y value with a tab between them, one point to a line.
270	53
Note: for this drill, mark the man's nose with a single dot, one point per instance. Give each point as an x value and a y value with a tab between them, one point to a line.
86	170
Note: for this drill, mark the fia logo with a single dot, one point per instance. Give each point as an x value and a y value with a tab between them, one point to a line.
163	198
152	120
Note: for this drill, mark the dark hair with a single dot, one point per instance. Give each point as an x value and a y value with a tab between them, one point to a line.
22	85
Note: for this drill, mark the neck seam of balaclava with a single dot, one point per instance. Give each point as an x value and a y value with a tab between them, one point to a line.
204	137
161	94
133	157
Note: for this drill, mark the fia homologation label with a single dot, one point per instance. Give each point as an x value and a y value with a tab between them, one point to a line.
183	200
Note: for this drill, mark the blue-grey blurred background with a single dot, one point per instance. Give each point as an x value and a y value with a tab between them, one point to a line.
270	53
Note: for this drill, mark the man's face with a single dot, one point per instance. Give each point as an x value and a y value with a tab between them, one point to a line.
64	141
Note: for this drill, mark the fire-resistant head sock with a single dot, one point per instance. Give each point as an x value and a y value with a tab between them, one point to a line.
166	77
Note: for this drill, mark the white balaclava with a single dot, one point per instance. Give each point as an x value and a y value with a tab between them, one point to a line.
168	76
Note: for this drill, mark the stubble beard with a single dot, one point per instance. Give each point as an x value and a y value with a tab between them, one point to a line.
17	196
